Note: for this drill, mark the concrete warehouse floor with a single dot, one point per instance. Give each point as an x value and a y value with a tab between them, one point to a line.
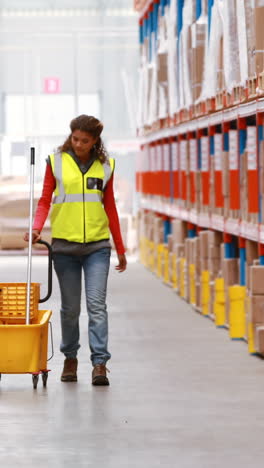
181	395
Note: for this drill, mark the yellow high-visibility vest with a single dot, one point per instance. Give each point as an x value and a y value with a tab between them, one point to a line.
77	212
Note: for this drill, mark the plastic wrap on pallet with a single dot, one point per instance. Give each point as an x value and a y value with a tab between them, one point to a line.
162	63
185	57
163	21
242	34
152	106
141	94
213	52
172	59
198	29
231	50
258	51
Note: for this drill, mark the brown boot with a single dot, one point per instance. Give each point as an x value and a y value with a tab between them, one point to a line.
99	375
69	373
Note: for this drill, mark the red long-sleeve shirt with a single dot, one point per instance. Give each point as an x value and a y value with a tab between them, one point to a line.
44	203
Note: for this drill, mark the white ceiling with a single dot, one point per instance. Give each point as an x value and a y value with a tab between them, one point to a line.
63	4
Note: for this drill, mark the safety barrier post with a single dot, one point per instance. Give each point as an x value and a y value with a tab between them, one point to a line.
219	303
182	277
242	255
192	284
205	294
166	265
237	314
160	260
175	278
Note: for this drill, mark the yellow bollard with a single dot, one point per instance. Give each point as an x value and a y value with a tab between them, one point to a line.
192	284
182	277
141	250
151	255
145	252
166	265
160	260
251	341
237	314
219	303
156	258
205	292
174	272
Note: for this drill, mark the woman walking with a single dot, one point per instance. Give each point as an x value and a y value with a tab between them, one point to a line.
80	174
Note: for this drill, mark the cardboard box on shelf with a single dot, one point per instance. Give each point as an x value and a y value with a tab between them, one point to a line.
162	60
230	271
256	309
259	44
204	243
220	79
225	174
214	251
252	251
179	231
204	263
214	266
170	242
256	279
259	339
178	249
198	57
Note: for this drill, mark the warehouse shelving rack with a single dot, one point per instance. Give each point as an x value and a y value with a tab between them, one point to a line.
237	227
228	123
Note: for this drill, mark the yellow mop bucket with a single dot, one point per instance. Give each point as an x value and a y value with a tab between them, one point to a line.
24	348
24	328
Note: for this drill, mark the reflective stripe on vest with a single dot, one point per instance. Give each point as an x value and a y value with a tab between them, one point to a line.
78	197
77	212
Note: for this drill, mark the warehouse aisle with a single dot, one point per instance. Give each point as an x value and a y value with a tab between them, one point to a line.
182	394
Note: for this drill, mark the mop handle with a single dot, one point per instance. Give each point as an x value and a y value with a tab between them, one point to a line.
32	168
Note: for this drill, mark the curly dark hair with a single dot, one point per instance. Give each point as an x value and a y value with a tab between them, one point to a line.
93	126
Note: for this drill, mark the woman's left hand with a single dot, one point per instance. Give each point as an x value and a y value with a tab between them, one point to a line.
122	263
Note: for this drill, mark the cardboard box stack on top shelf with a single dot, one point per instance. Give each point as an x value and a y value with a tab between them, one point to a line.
14	213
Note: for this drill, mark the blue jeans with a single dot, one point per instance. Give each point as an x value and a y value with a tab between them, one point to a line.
69	272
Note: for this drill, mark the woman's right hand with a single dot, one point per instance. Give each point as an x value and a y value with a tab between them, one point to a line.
35	236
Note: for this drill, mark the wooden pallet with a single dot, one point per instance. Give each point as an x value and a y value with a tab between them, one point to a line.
239	94
165	123
210	104
219	100
252	85
261	82
155	126
200	109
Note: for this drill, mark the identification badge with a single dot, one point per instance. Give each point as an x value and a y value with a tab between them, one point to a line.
94	183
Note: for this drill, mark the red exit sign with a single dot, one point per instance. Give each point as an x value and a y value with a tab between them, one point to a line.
52	85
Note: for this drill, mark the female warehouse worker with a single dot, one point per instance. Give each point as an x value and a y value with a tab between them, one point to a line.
81	176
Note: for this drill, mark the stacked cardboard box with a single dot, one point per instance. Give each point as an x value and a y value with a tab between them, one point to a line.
258	45
261	179
197	263
198	56
179	234
171	258
256	306
251	256
204	237
225	174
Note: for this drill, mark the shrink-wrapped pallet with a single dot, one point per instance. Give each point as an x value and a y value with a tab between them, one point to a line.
213	52
231	49
185	55
172	59
245	36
